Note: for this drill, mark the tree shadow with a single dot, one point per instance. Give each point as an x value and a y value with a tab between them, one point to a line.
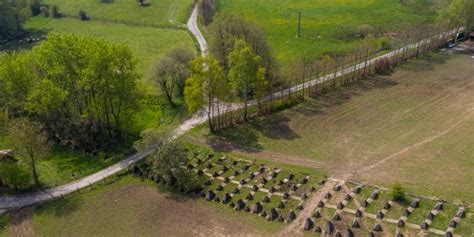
60	207
320	104
426	62
25	41
245	137
277	127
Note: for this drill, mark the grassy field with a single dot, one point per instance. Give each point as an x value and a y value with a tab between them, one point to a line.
147	43
401	127
127	206
64	166
159	12
324	24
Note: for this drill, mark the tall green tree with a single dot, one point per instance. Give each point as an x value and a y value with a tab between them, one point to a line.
15	80
206	85
30	144
246	75
82	89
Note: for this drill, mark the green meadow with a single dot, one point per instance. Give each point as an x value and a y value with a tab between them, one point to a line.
326	26
159	12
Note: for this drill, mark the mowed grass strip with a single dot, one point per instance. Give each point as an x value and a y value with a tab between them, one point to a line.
129	207
158	12
322	22
419	121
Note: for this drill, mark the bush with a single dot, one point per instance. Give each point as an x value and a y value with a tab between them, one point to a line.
188	182
35	7
142	3
4	221
364	30
83	15
55	11
385	43
382	66
45	11
398	193
14	176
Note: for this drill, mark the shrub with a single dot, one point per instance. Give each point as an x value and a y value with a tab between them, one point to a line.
385	43
15	176
398	193
4	221
382	66
35	7
55	11
142	3
45	11
83	15
364	30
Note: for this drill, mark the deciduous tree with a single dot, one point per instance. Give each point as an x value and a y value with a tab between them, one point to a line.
206	85
30	144
246	74
170	73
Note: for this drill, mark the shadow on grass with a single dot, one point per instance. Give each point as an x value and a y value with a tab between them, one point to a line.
20	44
426	62
319	104
245	137
60	207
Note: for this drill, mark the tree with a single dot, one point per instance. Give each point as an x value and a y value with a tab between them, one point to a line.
206	85
246	75
207	10
82	90
168	166
170	73
459	13
15	80
326	63
398	193
30	144
227	28
13	14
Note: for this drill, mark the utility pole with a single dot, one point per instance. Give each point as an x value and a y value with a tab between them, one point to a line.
299	24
